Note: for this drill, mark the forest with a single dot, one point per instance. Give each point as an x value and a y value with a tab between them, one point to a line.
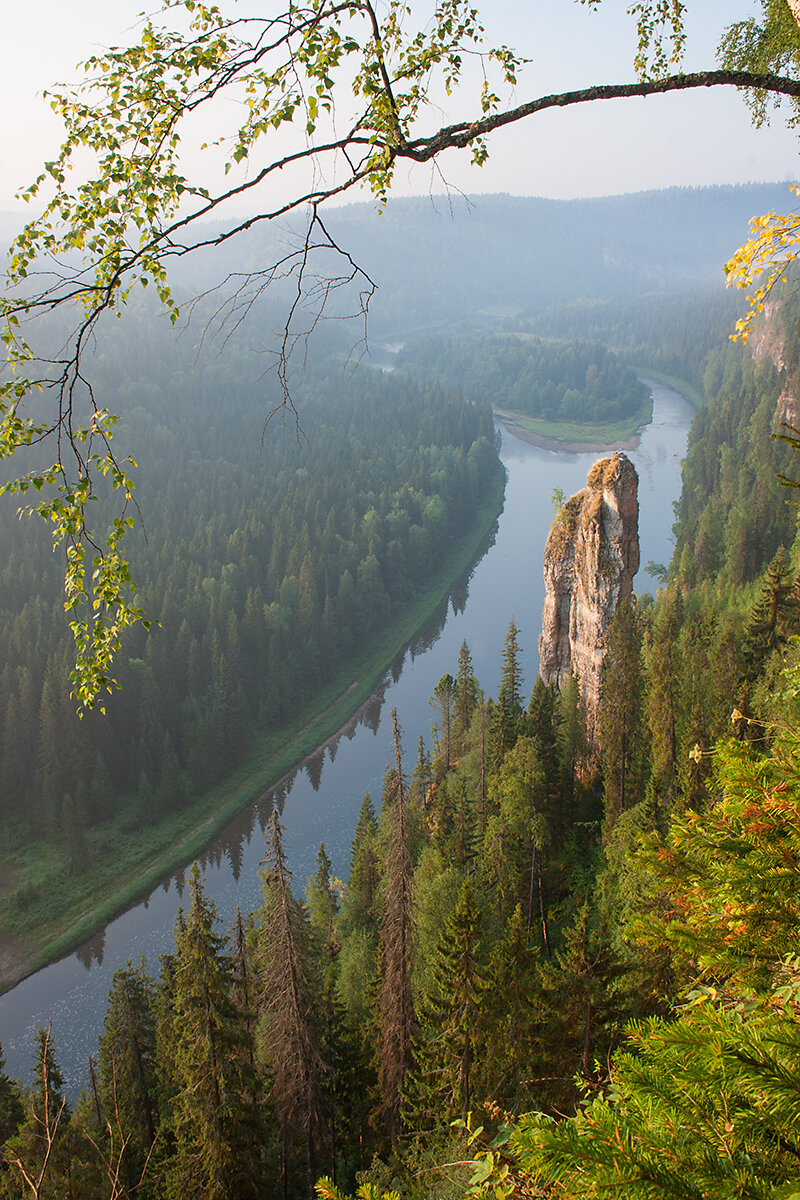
550	973
544	976
267	565
580	382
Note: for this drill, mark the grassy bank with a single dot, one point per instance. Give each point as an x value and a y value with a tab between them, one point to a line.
47	909
569	435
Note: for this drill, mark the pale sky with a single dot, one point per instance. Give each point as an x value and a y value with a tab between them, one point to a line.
599	149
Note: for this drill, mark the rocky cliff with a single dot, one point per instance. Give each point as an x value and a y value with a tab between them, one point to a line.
767	344
591	557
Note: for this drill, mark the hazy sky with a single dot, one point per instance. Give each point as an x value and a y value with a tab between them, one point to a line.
599	149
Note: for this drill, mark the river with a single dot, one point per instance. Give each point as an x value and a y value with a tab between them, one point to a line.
322	801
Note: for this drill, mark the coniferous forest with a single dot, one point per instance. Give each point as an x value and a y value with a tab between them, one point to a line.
268	554
545	975
562	962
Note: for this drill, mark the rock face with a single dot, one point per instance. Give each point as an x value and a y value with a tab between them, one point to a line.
766	344
591	557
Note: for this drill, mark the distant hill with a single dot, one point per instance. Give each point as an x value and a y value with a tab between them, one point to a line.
438	262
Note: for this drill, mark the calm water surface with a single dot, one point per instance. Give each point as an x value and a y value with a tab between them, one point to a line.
322	801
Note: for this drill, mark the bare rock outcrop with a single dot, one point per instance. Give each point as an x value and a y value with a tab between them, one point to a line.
767	344
591	557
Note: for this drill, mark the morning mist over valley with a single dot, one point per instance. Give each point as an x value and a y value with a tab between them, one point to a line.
399	602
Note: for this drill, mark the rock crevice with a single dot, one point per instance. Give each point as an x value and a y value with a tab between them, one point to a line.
591	557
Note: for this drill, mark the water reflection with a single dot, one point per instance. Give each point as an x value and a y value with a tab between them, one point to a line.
92	951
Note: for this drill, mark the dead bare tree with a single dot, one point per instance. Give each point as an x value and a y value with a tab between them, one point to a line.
47	1111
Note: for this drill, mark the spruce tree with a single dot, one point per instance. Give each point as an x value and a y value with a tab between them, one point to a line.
543	726
449	1046
11	1111
216	1155
323	905
765	629
466	697
362	881
621	716
396	1011
127	1086
509	698
288	1036
423	774
444	695
509	1014
663	691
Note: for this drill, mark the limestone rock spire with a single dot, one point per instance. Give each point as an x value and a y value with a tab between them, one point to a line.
591	557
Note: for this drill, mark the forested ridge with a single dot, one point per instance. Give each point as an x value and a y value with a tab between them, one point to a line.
265	564
518	939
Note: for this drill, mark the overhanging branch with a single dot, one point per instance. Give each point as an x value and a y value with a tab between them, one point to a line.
459	136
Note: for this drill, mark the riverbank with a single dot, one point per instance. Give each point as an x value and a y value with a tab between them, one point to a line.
579	439
63	909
